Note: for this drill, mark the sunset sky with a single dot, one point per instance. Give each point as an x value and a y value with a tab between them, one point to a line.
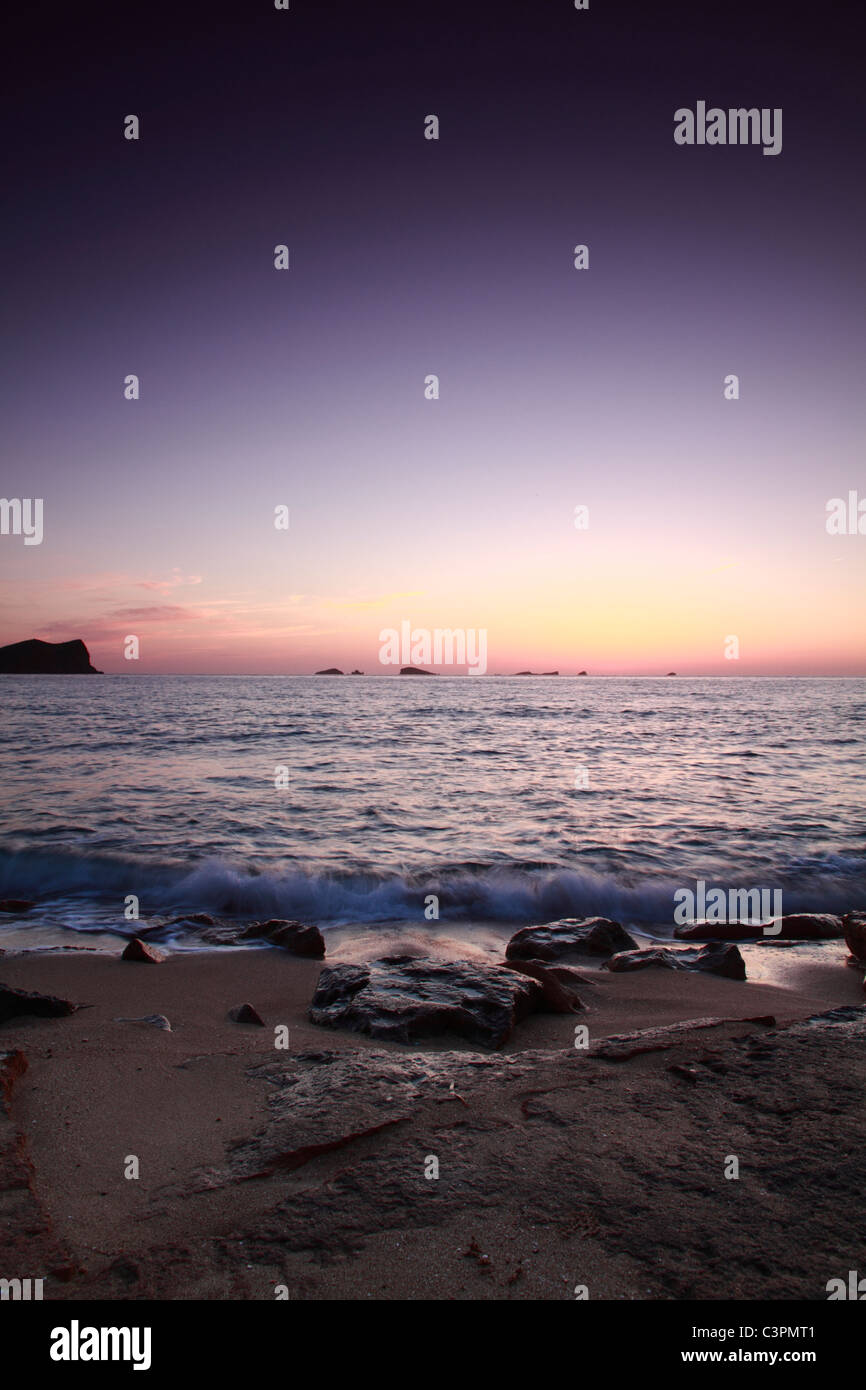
558	387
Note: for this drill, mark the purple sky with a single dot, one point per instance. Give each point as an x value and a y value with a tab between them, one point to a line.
558	387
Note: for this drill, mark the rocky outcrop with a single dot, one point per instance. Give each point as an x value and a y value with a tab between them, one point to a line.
537	1145
416	671
717	959
15	905
36	658
796	926
338	1165
403	998
622	1047
331	671
573	937
298	938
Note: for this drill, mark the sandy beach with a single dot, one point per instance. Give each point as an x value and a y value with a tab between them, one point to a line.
304	1167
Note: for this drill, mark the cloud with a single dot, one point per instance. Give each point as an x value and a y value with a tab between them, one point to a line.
176	580
154	613
112	580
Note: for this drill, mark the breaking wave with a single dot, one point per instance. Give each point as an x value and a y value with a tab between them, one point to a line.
495	892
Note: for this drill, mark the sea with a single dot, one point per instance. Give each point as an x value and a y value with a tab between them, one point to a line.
371	803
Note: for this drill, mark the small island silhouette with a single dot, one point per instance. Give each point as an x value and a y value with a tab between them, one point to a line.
37	658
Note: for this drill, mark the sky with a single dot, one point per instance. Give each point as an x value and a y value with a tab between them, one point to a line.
558	388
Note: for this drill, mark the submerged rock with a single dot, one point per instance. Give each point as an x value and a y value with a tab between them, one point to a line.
573	936
15	905
796	926
14	1002
717	959
402	998
299	938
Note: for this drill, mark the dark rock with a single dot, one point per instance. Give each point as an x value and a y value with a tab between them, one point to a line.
717	959
796	926
139	950
809	926
199	919
331	671
573	936
402	998
356	673
15	905
36	658
416	671
854	928
14	1002
558	998
719	931
297	937
245	1013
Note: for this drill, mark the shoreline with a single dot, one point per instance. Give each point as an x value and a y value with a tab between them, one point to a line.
354	1216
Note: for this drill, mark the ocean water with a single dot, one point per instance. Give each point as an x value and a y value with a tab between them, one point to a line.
513	800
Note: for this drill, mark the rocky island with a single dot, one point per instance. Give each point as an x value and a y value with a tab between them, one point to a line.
37	658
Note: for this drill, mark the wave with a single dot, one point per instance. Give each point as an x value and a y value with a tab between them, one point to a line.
519	893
